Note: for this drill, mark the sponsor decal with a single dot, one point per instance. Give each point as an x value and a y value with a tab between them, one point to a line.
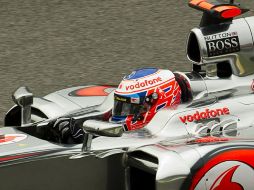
135	100
223	43
12	138
93	91
206	114
122	99
224	181
209	139
232	169
143	84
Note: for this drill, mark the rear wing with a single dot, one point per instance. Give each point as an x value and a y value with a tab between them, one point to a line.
217	11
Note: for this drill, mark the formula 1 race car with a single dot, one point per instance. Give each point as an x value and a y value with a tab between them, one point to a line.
206	143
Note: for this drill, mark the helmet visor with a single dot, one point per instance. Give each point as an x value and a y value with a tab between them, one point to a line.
125	108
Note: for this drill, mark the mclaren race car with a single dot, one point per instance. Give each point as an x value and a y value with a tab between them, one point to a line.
206	143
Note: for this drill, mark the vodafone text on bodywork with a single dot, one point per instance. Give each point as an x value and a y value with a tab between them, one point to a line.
207	113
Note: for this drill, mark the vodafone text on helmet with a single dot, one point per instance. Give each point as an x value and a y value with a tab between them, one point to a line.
143	83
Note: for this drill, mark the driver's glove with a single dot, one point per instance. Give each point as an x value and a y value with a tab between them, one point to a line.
68	133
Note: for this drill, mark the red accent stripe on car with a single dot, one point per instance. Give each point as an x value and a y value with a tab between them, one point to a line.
14	157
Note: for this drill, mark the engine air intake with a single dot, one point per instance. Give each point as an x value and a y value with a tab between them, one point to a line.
228	42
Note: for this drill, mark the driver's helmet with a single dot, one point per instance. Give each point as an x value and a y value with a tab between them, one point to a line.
143	93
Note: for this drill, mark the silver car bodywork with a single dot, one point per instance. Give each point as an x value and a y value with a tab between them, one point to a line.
206	143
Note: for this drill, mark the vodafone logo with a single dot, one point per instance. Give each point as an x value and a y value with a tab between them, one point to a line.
143	84
206	114
12	138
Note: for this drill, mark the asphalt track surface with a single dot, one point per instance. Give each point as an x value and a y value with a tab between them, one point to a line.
49	45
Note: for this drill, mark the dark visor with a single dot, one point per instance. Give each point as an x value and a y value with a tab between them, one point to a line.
123	107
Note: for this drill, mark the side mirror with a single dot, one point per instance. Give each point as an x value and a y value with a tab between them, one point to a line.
103	128
95	127
24	99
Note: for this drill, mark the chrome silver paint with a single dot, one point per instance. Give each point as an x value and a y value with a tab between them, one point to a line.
65	103
241	26
177	142
103	128
167	139
60	103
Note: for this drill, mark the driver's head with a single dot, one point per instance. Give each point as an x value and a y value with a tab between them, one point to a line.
142	93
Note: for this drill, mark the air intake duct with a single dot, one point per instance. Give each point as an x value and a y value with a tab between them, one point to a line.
230	41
